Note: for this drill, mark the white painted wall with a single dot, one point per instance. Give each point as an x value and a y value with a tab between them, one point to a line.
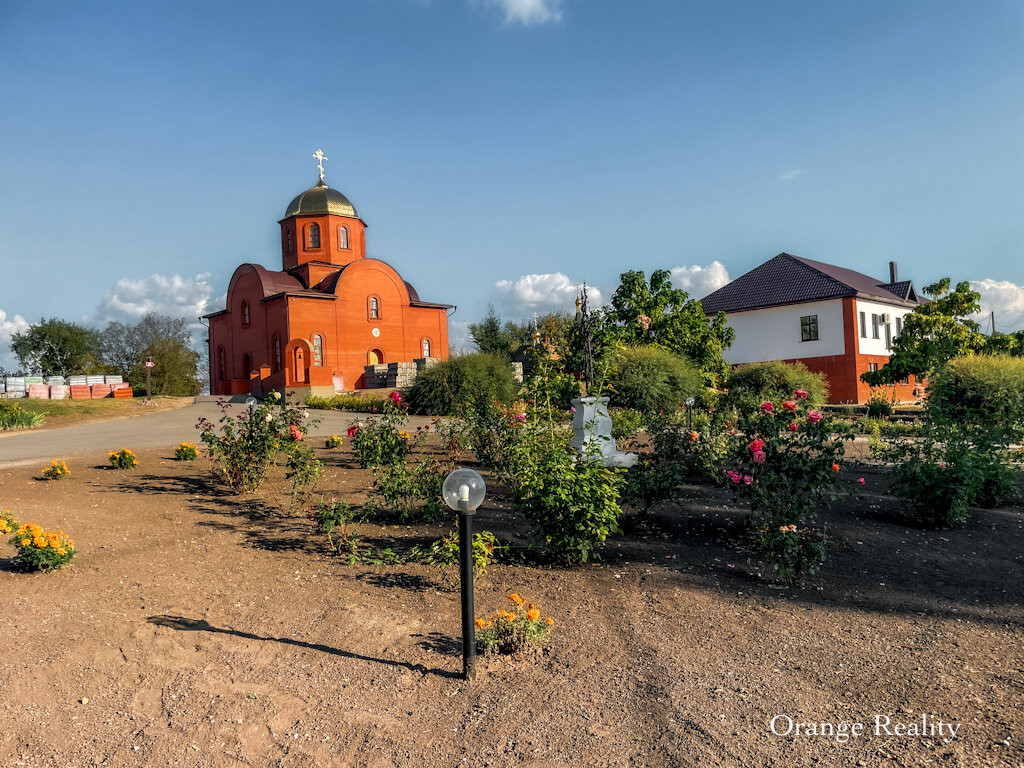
774	333
871	345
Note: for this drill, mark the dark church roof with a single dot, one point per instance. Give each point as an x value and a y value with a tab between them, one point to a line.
321	199
788	279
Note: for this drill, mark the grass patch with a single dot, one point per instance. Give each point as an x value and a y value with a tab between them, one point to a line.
64	413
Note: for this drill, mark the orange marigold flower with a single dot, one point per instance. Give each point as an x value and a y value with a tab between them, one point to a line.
480	623
549	621
25	542
533	614
515	598
40	542
60	550
835	467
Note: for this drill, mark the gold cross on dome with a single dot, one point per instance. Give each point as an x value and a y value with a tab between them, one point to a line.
319	156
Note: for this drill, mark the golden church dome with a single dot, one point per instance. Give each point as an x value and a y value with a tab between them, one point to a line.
319	200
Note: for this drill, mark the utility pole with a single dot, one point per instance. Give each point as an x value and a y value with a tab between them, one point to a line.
993	316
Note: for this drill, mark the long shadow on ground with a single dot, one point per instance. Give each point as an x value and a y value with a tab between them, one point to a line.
183	624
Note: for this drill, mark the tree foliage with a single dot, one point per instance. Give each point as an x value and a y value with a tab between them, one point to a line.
124	348
933	333
56	348
653	312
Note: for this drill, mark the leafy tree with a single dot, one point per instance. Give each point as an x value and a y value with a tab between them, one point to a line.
124	348
933	333
56	348
656	313
1006	344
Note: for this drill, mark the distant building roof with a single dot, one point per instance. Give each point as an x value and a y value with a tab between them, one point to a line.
788	279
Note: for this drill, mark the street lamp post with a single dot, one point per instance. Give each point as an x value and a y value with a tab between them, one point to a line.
149	371
689	412
463	491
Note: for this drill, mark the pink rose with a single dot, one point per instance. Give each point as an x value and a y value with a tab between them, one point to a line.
860	480
814	417
801	394
748	479
767	407
353	431
756	444
789	405
759	457
296	434
395	398
793	427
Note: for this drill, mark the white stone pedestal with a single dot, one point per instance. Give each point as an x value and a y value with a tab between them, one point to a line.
592	433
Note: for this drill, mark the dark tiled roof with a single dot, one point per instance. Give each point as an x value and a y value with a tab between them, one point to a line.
788	279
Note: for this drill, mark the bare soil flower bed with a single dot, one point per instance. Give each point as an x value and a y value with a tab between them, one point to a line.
197	628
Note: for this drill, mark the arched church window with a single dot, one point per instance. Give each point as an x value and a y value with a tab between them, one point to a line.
374	308
289	241
314	235
245	313
343	238
426	347
318	350
277	353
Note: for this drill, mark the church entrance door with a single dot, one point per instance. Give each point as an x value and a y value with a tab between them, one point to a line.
300	365
376	357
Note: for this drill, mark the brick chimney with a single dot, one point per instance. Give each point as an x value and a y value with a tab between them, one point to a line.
892	272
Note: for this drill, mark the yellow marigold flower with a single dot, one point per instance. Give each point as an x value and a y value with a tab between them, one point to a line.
533	614
404	435
515	598
60	550
480	623
25	542
549	621
40	542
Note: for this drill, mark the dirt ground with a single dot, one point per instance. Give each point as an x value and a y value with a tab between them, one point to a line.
197	628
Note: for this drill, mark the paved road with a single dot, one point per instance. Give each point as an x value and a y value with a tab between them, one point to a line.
154	430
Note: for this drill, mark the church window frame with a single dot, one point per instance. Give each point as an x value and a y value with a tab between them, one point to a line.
289	241
277	353
245	314
343	238
373	308
425	347
318	350
313	236
222	364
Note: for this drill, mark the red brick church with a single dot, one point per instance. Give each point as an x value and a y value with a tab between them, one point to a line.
313	325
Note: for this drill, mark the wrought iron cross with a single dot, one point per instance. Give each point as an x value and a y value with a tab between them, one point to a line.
320	157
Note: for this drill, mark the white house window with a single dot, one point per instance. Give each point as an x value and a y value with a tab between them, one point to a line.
863	325
875	322
872	367
343	238
899	325
809	328
888	336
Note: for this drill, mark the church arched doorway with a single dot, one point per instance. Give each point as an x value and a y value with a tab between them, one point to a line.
375	357
300	365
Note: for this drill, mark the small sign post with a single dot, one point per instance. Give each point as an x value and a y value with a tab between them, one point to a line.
149	371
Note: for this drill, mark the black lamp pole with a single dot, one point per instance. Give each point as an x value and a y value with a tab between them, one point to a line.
466	568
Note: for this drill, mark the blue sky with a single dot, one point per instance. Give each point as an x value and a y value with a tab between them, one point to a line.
502	150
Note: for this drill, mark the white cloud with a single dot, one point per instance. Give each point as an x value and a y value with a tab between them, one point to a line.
527	12
700	281
9	327
1004	298
552	292
129	300
791	174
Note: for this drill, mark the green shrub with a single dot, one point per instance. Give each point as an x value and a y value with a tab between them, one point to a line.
987	390
651	379
751	384
13	416
39	549
339	521
879	406
123	459
995	477
626	423
444	553
248	444
462	385
512	631
379	442
358	403
410	489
